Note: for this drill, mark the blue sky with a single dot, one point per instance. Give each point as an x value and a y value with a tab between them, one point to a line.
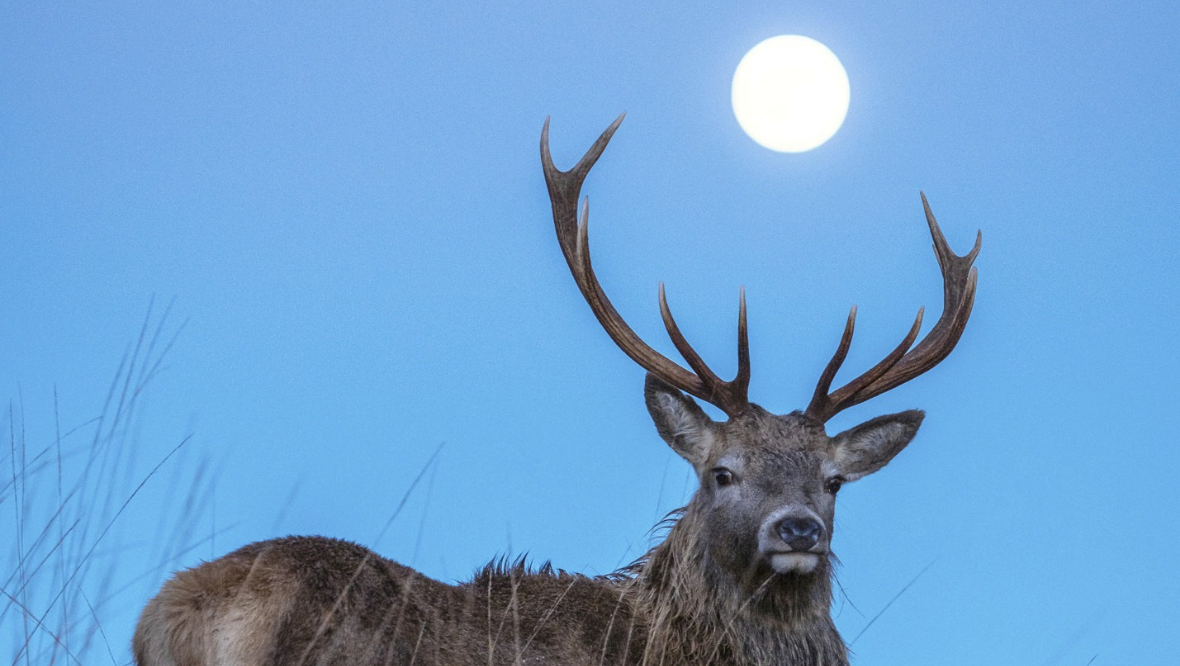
344	203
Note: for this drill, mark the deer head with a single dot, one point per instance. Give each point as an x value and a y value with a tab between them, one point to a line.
767	482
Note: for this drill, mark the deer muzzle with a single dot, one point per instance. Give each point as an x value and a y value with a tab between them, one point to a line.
793	540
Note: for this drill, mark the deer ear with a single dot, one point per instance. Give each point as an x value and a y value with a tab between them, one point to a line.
870	445
680	420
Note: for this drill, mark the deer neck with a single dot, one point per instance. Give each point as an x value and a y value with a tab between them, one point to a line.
699	612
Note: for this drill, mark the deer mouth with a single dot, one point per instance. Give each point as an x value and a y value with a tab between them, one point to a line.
793	561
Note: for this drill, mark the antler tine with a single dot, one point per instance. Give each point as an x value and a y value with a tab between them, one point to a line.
904	363
741	380
565	187
573	237
820	402
732	396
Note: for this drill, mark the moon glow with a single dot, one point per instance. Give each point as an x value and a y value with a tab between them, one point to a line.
790	93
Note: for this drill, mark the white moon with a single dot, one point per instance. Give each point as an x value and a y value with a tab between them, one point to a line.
790	93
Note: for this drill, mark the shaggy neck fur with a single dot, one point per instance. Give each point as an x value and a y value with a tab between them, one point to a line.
700	613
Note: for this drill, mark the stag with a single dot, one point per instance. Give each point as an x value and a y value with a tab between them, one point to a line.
743	576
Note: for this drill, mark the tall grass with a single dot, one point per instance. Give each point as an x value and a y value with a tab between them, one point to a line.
67	566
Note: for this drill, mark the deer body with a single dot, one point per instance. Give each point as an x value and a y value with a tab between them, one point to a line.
313	600
743	577
384	613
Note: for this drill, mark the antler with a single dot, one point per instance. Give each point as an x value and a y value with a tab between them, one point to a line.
900	366
572	235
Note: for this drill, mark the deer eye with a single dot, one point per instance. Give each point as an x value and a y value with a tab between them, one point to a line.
832	485
722	476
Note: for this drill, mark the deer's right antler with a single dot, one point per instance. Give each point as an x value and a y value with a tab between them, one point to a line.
564	189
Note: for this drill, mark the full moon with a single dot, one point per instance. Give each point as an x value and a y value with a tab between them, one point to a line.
790	93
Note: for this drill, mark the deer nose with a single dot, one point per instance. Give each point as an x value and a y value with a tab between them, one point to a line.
799	533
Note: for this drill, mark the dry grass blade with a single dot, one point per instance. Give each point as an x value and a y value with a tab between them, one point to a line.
405	497
68	500
895	598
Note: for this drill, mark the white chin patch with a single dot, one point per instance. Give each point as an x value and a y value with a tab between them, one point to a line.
794	562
